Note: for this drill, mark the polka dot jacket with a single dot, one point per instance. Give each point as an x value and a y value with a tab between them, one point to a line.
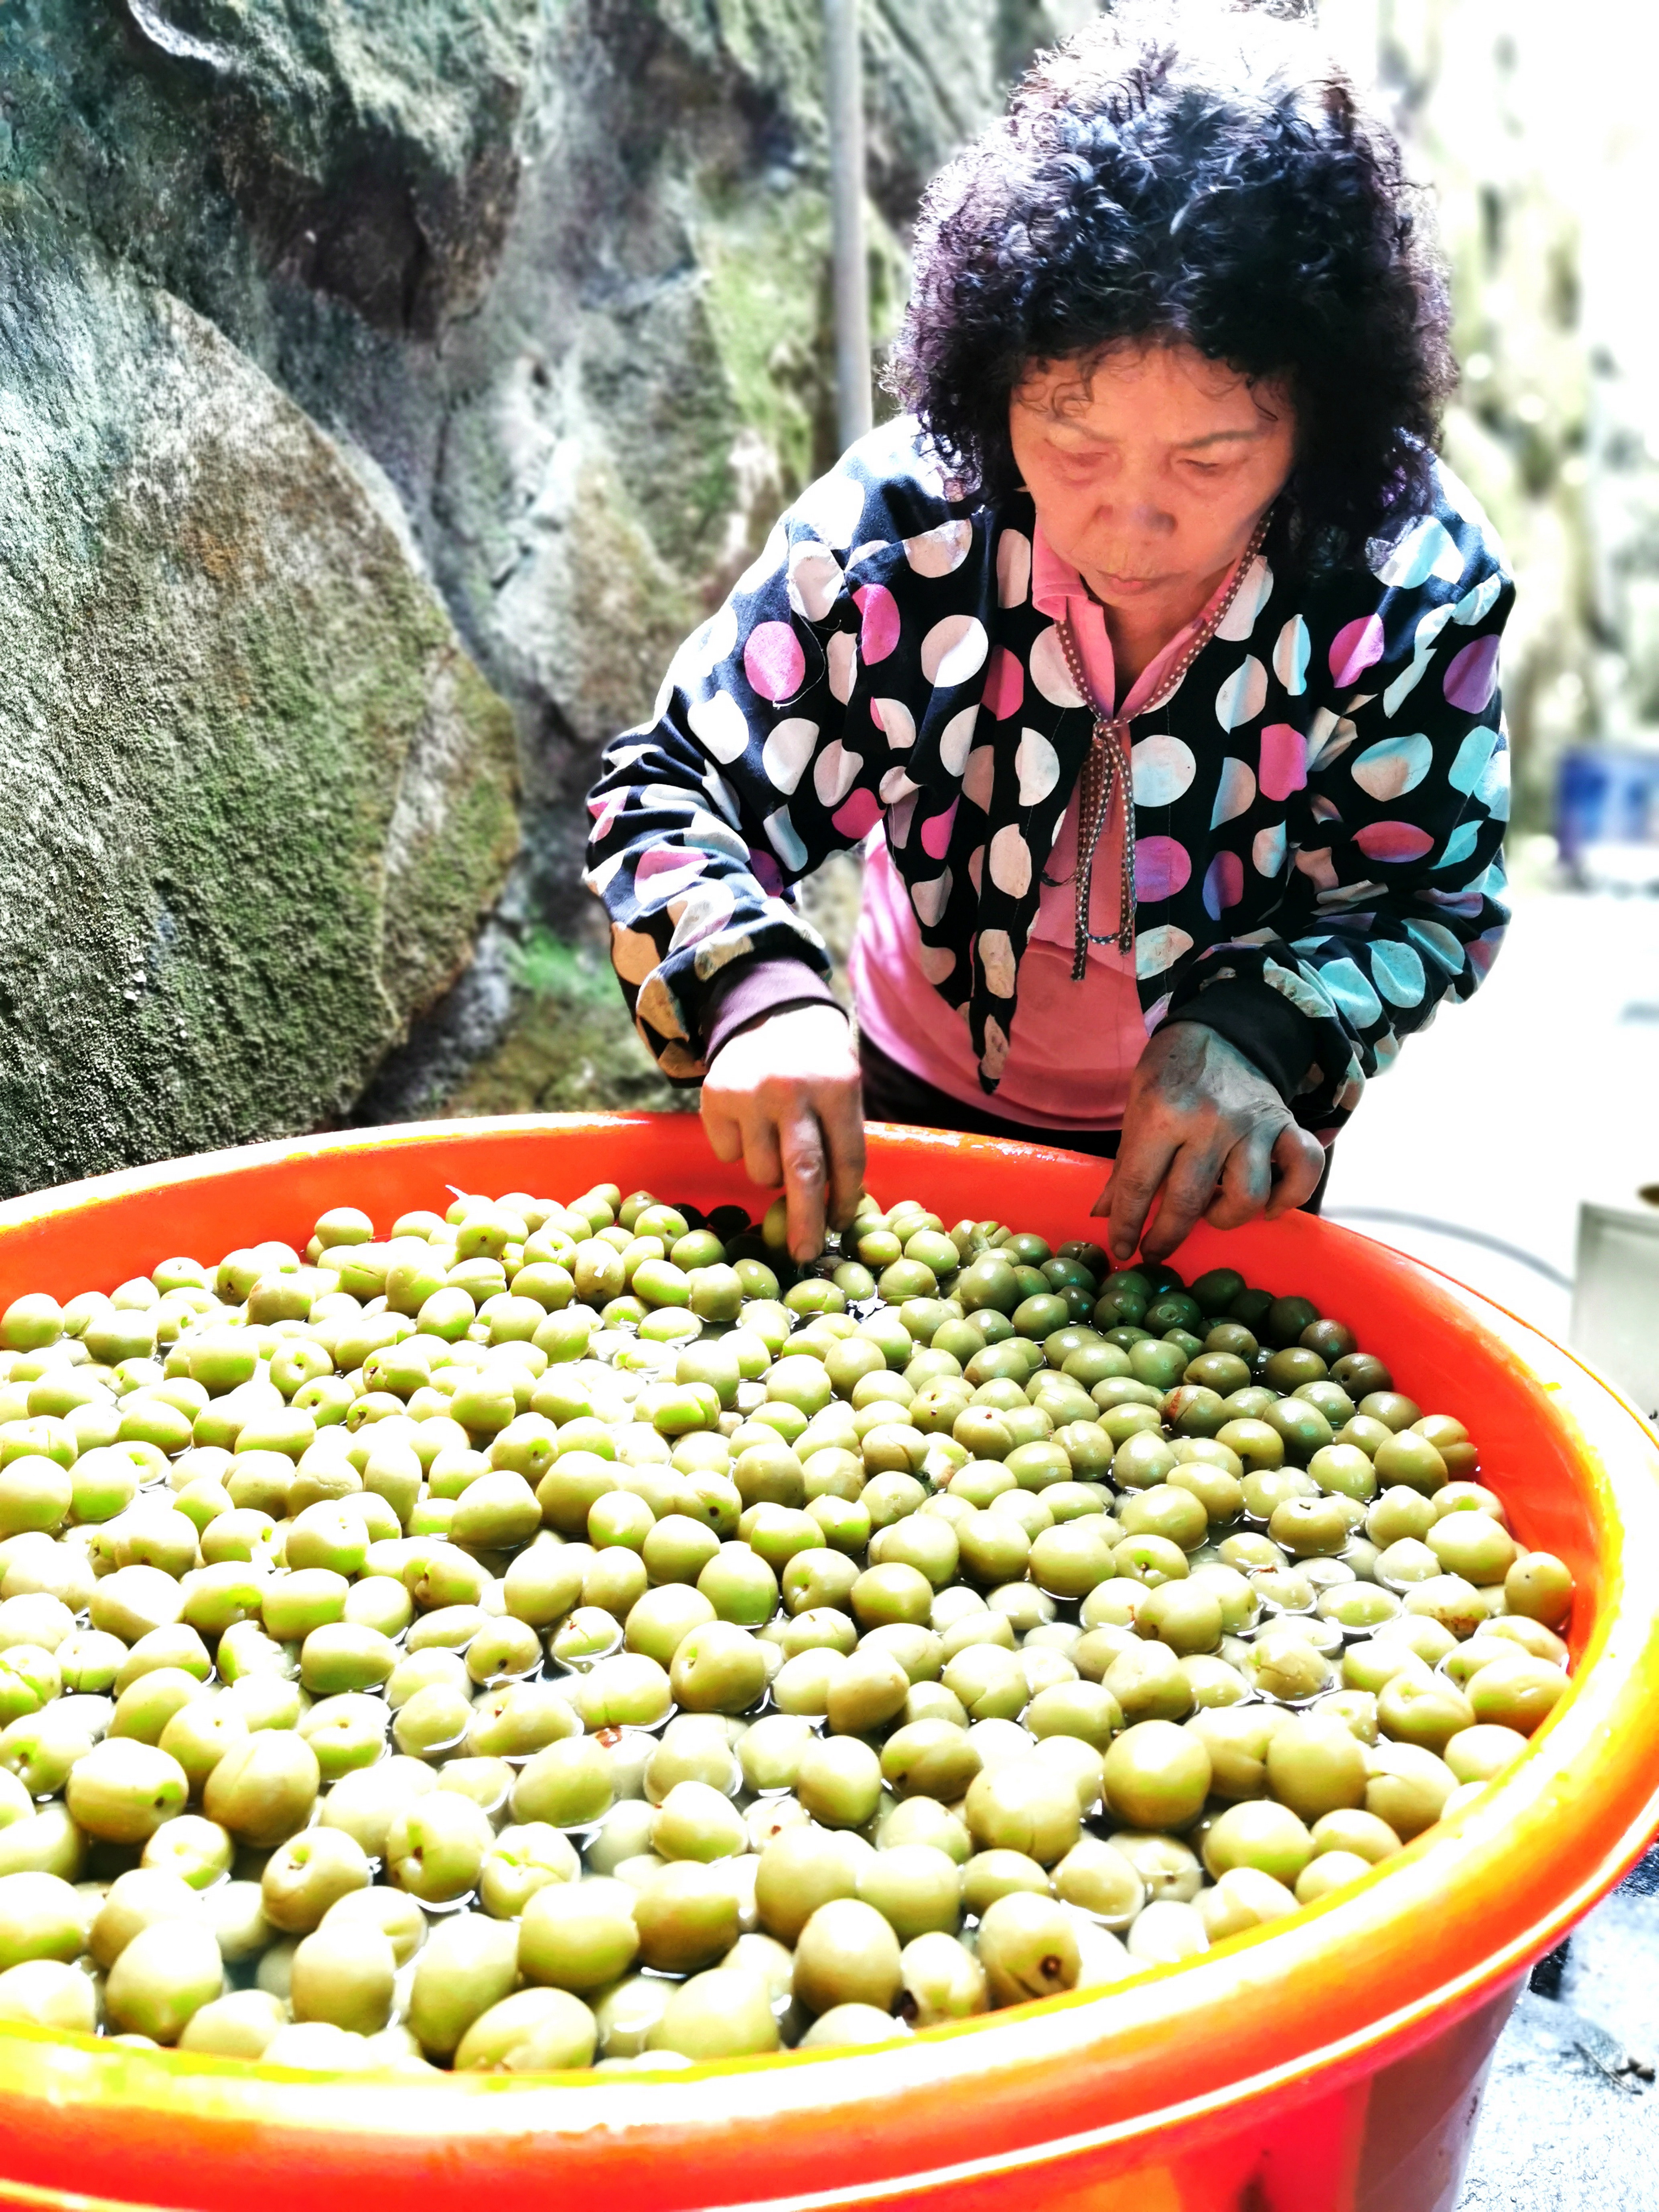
1325	794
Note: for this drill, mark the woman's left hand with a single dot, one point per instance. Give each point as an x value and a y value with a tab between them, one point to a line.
1205	1136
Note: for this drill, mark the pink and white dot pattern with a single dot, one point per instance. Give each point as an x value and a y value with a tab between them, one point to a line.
1319	808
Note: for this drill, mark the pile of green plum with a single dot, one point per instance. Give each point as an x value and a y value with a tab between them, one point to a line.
568	1636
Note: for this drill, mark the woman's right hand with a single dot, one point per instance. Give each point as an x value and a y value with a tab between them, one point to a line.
786	1098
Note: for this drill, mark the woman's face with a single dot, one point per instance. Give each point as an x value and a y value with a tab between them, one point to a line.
1150	468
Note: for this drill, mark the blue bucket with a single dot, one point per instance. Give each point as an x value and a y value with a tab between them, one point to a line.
1605	796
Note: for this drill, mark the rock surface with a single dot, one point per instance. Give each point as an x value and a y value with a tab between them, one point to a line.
257	793
525	302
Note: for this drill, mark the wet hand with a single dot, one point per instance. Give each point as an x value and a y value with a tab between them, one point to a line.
1205	1136
785	1097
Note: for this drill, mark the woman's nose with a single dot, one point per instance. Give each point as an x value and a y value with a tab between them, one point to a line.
1142	515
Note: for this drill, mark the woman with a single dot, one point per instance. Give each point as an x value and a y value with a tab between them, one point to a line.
1164	513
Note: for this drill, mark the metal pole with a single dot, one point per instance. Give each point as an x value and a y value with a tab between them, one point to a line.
844	71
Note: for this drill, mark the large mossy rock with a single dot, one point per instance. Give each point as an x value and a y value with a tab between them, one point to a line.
549	280
256	795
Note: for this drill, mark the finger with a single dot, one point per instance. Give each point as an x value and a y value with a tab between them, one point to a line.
1143	1161
1247	1180
1188	1189
804	1177
1299	1159
760	1154
841	1115
722	1130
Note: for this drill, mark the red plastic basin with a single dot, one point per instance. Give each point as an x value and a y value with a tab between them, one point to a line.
1334	2066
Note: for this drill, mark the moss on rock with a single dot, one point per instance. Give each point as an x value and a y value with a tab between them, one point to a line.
553	281
258	796
571	1047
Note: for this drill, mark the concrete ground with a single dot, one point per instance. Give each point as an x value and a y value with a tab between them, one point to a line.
1477	1148
1570	2118
1474	1153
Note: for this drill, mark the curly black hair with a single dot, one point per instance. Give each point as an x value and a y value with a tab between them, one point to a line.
1206	177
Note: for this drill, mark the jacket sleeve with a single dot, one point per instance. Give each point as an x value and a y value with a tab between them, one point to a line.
693	849
1391	851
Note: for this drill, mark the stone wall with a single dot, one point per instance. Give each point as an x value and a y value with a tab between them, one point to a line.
389	390
1540	154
